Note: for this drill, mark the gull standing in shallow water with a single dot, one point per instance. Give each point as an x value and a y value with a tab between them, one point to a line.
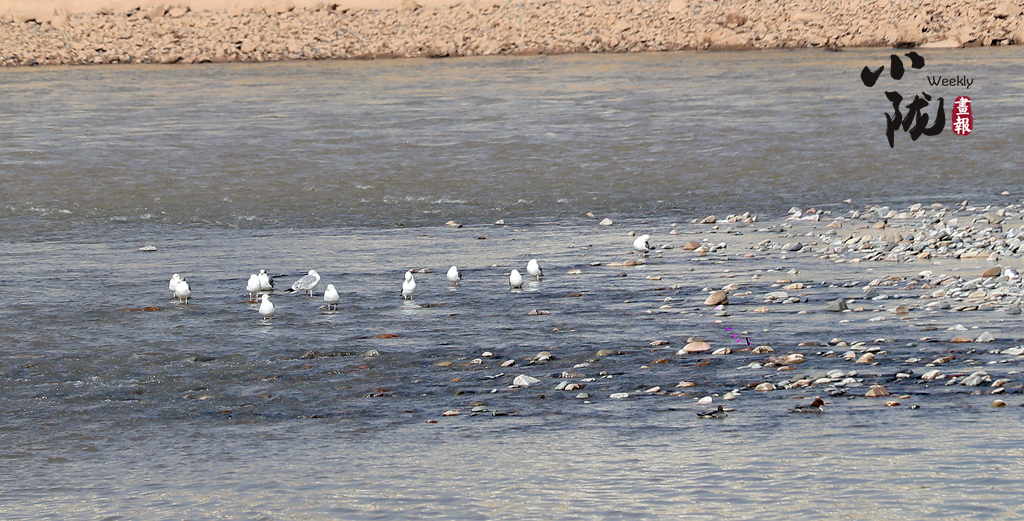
182	291
534	269
641	245
253	286
409	286
331	296
173	284
515	280
454	275
266	283
267	308
307	282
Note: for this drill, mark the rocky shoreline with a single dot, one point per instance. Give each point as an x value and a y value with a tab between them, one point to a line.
177	34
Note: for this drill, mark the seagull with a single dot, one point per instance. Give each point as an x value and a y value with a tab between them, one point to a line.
641	245
816	406
266	307
253	286
331	296
175	279
266	283
409	286
515	279
182	291
307	282
714	415
534	269
454	275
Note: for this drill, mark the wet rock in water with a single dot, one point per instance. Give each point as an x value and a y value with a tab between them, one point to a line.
659	343
499	222
582	396
508	363
538	312
524	380
729	396
901	310
763	309
976	379
794	358
997	404
453	224
716	298
764	387
934	374
618	396
451	413
542	356
708	220
961	340
866	358
606	222
722	351
836	306
985	337
686	384
760	350
691	245
876	391
148	248
695	347
606	352
705	400
992	272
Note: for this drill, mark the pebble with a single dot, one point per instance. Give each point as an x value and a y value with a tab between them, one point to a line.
876	391
606	222
695	347
716	298
524	380
836	306
766	386
619	396
997	404
582	396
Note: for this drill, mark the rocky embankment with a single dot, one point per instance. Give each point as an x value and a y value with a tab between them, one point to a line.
177	34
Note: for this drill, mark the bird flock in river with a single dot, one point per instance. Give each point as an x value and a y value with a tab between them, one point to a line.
260	284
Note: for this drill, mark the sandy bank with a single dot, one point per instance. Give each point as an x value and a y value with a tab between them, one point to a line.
122	31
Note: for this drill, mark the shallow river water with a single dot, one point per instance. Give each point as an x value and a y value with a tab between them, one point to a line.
119	403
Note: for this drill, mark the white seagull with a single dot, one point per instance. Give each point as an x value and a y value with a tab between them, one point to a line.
331	296
409	286
175	279
266	283
534	269
182	291
641	245
307	282
266	307
253	286
515	279
454	275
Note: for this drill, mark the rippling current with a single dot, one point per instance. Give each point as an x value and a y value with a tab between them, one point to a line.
118	403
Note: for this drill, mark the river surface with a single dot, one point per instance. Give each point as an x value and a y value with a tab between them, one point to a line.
116	402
